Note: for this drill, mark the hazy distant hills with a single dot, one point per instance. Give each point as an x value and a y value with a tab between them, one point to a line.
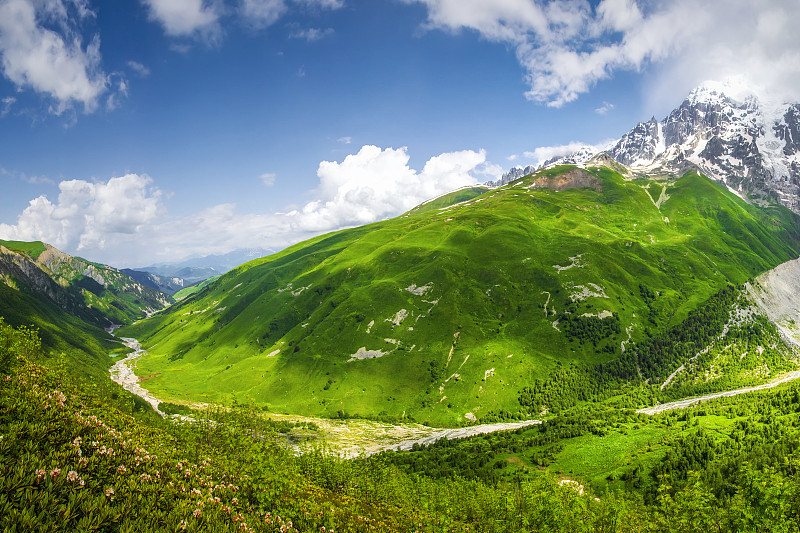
448	312
170	275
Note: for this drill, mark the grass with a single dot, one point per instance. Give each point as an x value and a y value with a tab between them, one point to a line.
598	459
33	249
459	299
192	289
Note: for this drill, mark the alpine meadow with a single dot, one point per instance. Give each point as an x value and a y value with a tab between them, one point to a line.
352	323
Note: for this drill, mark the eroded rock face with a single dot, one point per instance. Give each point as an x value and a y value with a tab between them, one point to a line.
774	293
574	179
20	272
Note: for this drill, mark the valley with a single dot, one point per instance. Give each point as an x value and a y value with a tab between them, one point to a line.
452	311
417	266
582	336
745	309
530	340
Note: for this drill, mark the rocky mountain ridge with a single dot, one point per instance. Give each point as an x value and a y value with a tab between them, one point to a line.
96	293
748	142
166	284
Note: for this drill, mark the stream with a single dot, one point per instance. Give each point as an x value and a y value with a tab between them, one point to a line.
122	373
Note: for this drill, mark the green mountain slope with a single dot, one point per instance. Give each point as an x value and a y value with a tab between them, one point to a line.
192	289
70	301
450	311
96	293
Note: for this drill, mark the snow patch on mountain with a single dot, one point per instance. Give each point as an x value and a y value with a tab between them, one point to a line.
736	134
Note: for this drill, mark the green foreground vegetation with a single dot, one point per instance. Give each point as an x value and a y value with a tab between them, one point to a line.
72	461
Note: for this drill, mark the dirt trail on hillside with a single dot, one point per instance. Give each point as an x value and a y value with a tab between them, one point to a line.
123	374
775	295
682	404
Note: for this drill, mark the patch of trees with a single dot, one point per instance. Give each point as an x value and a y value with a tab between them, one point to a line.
653	358
588	328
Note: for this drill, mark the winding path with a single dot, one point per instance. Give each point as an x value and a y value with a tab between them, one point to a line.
682	404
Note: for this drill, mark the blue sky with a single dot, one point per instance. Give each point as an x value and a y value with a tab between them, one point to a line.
143	131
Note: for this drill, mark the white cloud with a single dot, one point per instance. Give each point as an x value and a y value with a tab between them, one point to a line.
7	102
140	69
37	180
51	62
326	4
312	34
345	140
181	18
124	221
262	13
604	109
377	183
566	46
88	216
268	178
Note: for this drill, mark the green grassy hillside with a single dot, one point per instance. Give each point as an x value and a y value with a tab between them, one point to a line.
447	313
95	293
69	301
192	289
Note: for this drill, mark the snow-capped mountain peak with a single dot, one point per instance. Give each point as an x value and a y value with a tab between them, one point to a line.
728	130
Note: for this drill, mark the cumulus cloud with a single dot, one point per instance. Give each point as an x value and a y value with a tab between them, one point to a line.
124	221
88	215
377	183
51	60
566	46
181	18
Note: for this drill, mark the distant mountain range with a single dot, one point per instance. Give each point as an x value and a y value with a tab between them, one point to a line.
167	285
170	277
749	143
